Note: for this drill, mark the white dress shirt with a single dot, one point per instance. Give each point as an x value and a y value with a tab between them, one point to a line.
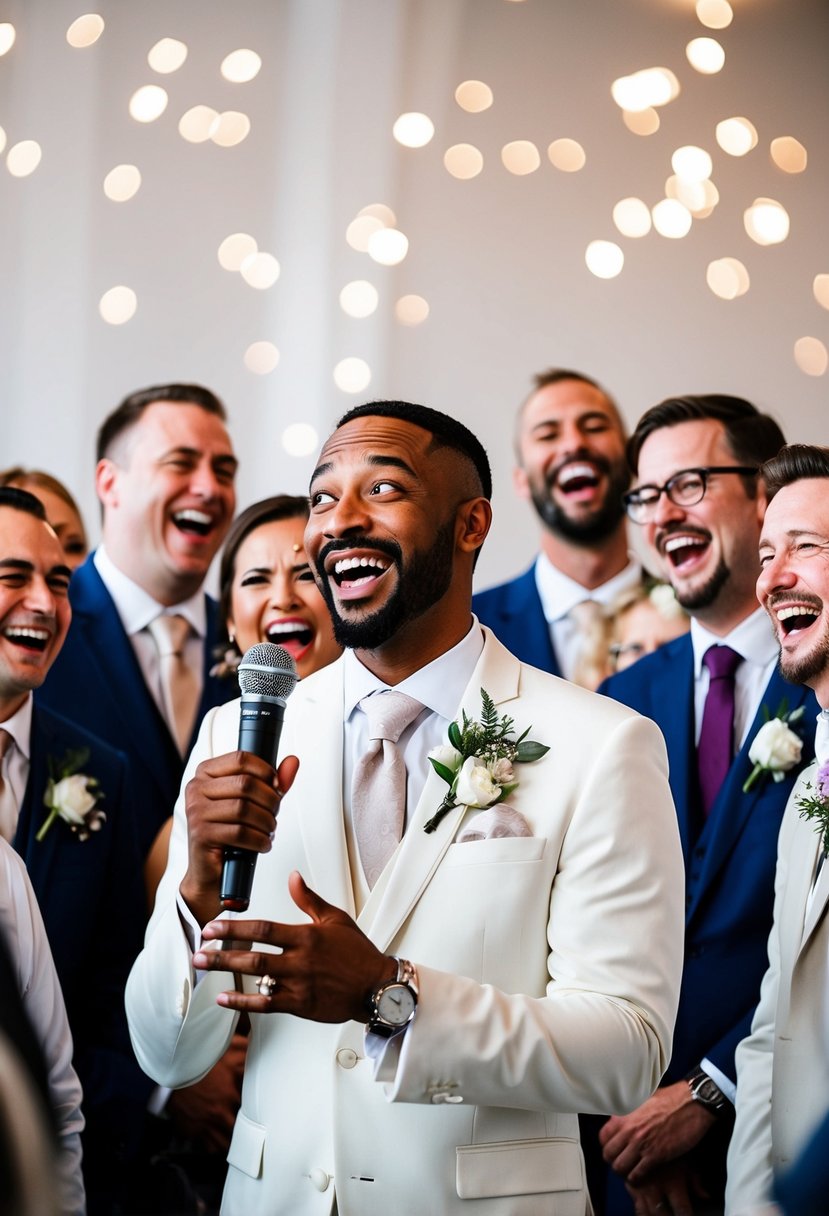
137	608
559	594
15	768
22	925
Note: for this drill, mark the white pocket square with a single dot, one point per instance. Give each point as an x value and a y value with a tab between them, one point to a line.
494	821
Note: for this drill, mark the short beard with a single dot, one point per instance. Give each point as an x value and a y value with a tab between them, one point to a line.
592	529
420	585
809	667
706	595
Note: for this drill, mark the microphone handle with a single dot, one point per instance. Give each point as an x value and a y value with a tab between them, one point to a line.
260	727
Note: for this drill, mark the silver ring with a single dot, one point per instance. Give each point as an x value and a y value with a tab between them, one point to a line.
266	985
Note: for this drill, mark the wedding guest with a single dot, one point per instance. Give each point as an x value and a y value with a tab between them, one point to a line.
66	807
700	501
448	1083
62	511
40	1120
570	454
642	620
134	669
783	1066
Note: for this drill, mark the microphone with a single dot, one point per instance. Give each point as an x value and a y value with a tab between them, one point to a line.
267	677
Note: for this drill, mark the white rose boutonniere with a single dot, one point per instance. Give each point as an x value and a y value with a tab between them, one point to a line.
477	764
775	749
72	796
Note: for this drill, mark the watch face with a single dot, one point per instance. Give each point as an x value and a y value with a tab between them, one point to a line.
396	1004
707	1090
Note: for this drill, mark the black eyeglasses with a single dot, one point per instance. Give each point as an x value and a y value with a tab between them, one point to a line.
686	488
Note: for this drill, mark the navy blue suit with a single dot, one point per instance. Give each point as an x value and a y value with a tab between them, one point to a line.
729	868
97	681
514	614
803	1190
91	894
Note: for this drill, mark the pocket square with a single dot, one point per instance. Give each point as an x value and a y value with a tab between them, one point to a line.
494	821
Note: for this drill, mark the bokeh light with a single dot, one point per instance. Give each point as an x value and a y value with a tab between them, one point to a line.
567	155
671	218
198	124
463	161
85	30
388	246
7	36
715	14
632	217
359	298
352	375
604	259
118	305
148	103
413	130
820	287
473	96
411	310
260	270
235	248
727	278
705	55
691	163
122	183
167	55
641	122
811	356
300	439
23	158
261	358
788	154
766	221
645	88
736	136
232	127
241	66
520	157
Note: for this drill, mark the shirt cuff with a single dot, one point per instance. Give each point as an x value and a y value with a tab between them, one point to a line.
729	1089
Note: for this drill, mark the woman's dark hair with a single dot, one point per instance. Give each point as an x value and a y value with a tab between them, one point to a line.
281	506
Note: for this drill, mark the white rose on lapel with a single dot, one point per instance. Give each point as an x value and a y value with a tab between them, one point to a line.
475	786
775	748
72	800
447	755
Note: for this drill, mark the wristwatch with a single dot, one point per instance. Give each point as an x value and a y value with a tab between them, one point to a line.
706	1091
393	1005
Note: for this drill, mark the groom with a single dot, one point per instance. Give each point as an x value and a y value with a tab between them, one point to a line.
428	1009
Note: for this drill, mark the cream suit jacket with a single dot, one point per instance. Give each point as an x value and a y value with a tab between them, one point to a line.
549	971
783	1066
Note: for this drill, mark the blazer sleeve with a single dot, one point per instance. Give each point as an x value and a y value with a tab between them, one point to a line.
162	993
599	1039
749	1154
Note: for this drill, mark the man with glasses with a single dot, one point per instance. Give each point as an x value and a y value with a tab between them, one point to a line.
698	499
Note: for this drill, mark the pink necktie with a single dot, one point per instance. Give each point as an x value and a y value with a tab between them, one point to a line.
715	749
8	809
179	686
378	791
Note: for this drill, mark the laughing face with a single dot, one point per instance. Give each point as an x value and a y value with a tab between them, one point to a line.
391	516
274	597
34	605
707	550
572	461
793	586
168	496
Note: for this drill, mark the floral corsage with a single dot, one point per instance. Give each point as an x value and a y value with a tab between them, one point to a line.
72	796
776	748
814	804
477	763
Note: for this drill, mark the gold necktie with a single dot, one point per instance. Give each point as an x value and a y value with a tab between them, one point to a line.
179	685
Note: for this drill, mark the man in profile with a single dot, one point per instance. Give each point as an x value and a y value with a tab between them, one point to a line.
570	453
456	976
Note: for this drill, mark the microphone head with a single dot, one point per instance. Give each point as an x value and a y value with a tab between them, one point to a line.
267	670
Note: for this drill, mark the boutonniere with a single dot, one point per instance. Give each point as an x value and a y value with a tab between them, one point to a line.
814	804
477	763
72	796
775	748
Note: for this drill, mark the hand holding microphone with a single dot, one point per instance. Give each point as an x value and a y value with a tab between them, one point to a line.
267	677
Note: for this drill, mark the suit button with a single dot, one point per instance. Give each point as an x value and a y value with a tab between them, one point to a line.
319	1179
346	1058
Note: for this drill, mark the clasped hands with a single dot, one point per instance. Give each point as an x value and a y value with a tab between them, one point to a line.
325	969
645	1147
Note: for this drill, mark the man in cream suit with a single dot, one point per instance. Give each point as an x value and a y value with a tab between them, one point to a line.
783	1066
539	970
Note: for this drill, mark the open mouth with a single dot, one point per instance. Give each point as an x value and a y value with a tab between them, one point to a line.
28	637
577	478
193	523
359	573
796	617
684	549
295	635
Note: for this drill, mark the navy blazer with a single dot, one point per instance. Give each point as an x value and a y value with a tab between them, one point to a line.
514	614
729	866
96	681
91	894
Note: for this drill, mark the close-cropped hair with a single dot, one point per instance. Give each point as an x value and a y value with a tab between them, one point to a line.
446	432
22	500
37	477
752	437
557	375
795	462
125	415
279	506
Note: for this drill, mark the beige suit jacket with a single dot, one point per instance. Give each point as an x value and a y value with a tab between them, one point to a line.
783	1066
549	971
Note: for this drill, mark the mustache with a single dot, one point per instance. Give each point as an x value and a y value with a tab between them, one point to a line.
786	597
389	547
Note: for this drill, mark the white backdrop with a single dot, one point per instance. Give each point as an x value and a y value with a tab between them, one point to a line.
499	258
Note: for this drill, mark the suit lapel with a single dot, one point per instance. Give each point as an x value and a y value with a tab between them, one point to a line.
673	701
39	856
732	808
323	827
817	908
531	630
419	853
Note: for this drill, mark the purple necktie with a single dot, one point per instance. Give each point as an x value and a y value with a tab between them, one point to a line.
715	749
